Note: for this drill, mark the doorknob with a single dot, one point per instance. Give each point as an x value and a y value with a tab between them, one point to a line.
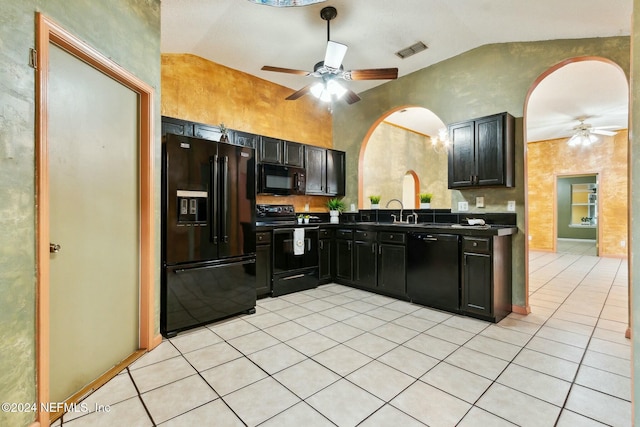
54	248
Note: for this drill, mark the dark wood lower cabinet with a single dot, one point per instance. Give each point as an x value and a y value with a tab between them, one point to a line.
326	263
264	271
476	287
392	269
486	277
344	260
377	261
365	264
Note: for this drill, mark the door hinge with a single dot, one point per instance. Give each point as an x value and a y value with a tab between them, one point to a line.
33	58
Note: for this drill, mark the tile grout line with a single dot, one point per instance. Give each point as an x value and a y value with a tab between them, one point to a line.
140	397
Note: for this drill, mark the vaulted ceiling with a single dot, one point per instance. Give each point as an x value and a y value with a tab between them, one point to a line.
245	36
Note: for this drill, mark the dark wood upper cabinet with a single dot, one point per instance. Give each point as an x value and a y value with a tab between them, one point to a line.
316	167
270	150
293	154
212	133
245	139
335	173
281	152
176	126
482	152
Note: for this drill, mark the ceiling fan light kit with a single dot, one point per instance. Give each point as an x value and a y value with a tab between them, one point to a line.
331	69
585	134
286	3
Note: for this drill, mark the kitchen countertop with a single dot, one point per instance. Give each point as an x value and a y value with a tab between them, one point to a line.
464	230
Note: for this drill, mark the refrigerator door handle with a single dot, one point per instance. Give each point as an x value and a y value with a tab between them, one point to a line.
213	190
224	194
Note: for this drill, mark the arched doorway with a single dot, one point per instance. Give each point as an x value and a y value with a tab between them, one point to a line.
581	91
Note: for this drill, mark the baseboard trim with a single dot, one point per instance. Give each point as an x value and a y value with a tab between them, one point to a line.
156	341
519	309
97	383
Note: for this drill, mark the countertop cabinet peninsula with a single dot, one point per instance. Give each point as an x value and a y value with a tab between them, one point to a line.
482	152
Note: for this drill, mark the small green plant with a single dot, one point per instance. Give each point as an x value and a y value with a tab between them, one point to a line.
335	205
425	197
374	199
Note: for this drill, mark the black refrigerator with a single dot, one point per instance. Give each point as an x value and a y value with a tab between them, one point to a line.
208	232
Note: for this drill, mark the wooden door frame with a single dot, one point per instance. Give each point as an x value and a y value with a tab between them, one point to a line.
47	31
557	176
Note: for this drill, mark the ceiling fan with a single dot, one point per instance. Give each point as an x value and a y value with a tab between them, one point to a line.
585	133
330	70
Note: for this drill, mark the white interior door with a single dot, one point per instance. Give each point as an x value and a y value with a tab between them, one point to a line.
94	217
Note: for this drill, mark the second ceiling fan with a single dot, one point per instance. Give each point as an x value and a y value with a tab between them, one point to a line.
330	70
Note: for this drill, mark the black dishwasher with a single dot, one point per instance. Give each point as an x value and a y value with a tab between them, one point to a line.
433	270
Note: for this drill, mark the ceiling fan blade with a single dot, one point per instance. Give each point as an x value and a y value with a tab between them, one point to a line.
335	54
299	93
372	74
285	70
607	127
350	96
603	132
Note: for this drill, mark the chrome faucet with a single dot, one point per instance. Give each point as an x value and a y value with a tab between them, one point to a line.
401	208
414	216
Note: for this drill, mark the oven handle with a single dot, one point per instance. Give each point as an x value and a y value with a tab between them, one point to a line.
297	276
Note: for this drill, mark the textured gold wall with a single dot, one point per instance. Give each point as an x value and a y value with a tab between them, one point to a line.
546	160
196	89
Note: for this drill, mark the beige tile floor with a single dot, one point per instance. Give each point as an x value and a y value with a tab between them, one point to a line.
340	356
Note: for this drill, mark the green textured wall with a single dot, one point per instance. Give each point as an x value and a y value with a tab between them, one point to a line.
487	80
128	31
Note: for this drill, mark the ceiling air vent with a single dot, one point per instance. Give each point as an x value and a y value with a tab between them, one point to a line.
411	50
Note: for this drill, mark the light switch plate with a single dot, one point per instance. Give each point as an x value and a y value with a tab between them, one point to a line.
463	206
511	206
480	202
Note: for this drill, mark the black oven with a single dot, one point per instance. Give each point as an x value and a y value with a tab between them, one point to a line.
281	180
295	259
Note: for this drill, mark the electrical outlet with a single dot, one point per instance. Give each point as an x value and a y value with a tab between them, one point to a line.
480	202
623	243
530	237
511	206
463	206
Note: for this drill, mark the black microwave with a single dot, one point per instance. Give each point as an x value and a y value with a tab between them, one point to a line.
281	180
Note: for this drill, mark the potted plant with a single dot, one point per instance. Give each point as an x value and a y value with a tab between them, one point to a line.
300	218
375	202
335	207
306	219
425	200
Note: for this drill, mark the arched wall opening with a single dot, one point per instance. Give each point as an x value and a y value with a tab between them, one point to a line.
548	157
398	147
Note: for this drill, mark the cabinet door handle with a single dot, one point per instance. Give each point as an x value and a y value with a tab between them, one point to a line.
373	248
349	244
321	244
